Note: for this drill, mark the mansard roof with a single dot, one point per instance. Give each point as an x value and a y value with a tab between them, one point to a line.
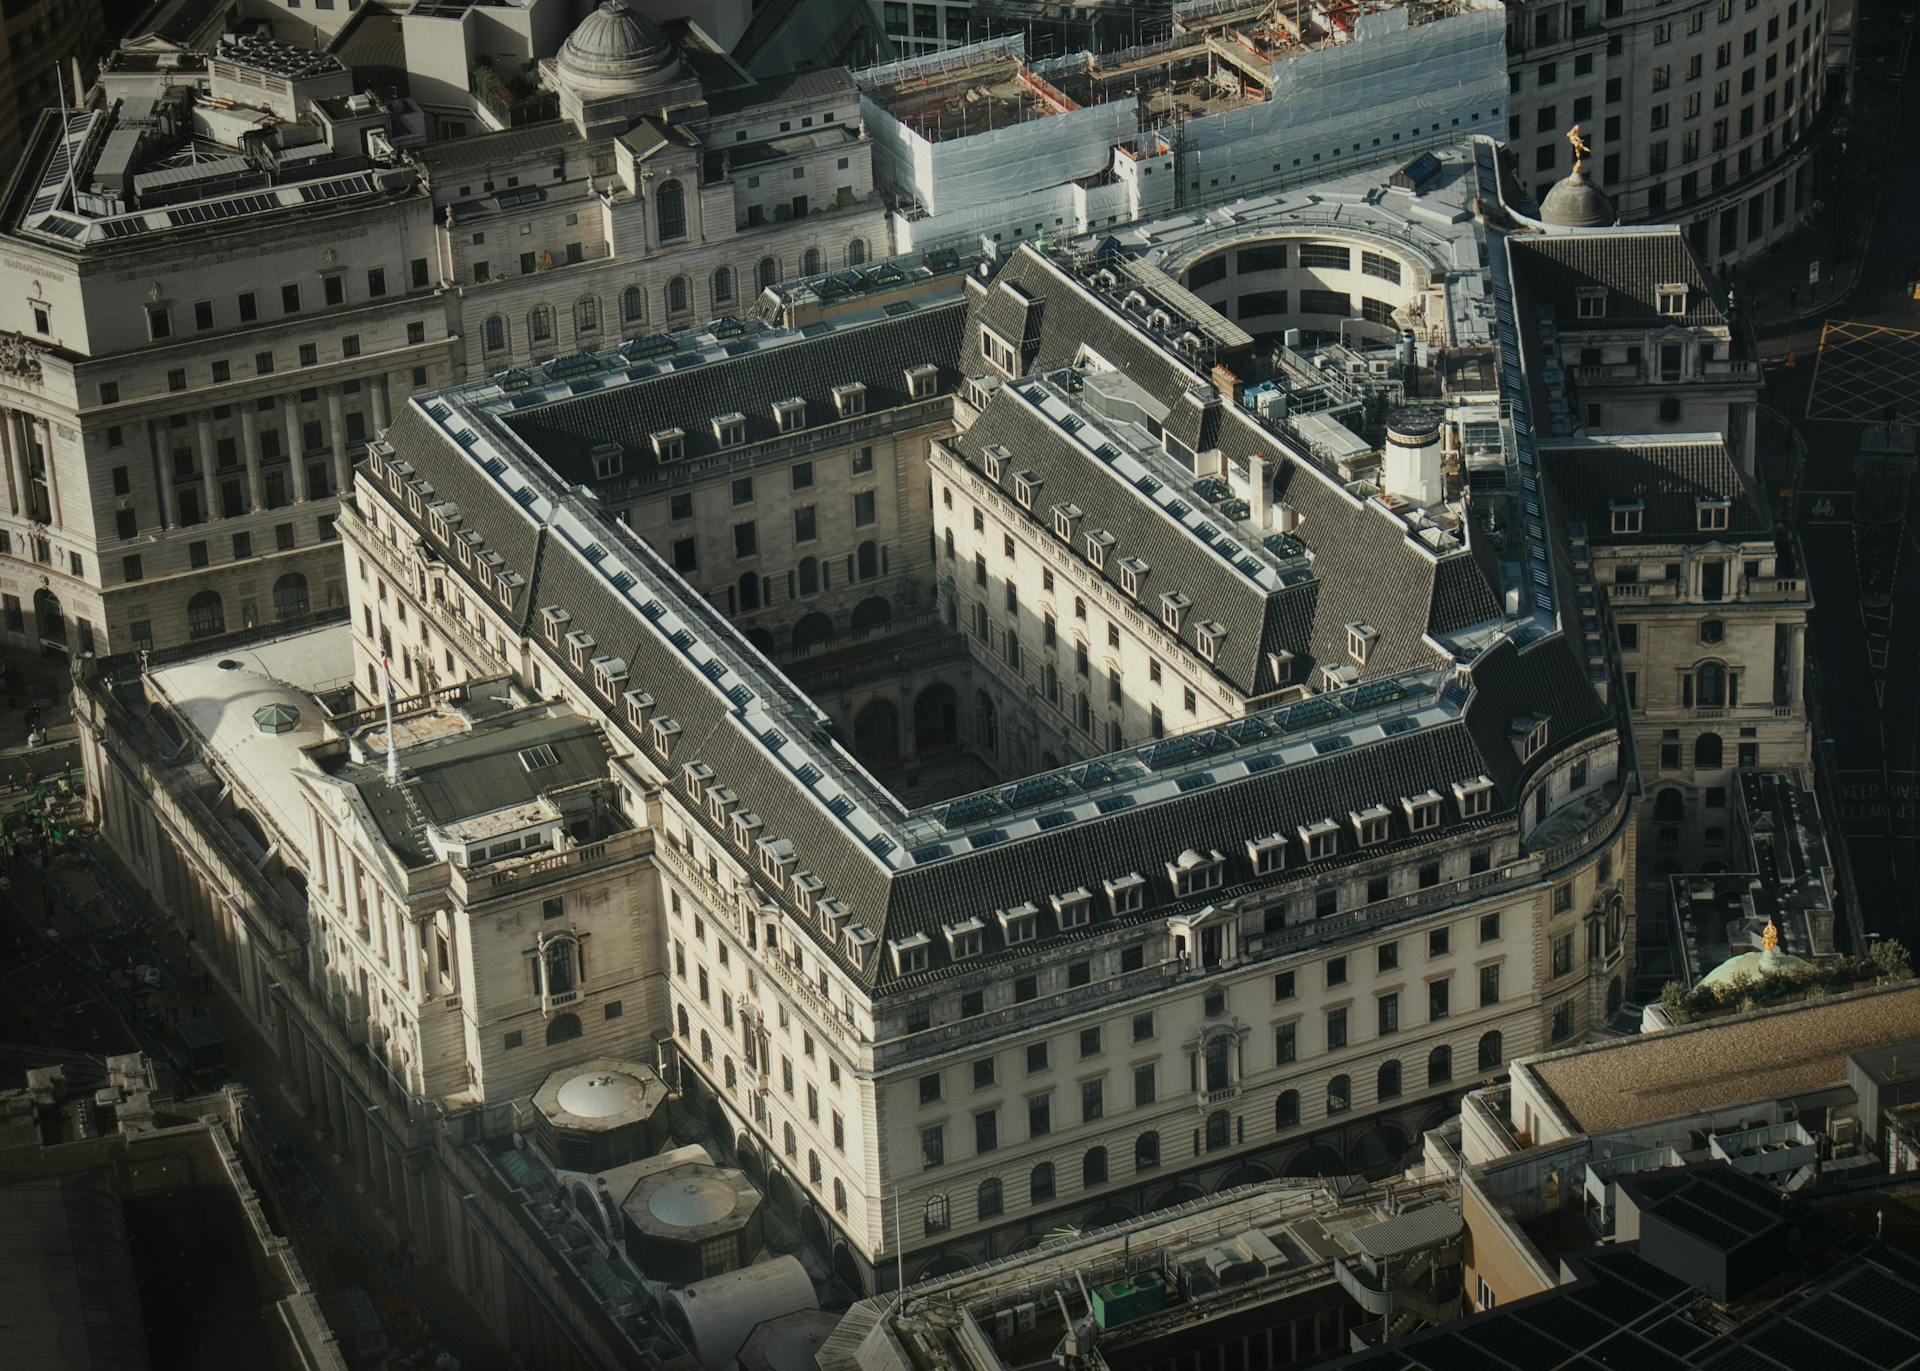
1630	265
1668	479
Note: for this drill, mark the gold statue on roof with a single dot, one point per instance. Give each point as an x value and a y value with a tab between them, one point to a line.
1770	937
1582	149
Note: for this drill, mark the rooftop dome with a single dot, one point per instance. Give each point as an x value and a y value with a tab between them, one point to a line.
1576	202
616	51
601	1094
1769	961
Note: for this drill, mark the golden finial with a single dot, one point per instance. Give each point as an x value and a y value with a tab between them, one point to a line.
1770	939
1581	148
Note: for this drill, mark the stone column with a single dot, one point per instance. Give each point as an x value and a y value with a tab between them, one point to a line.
161	476
45	426
337	435
16	490
203	433
250	441
296	445
382	417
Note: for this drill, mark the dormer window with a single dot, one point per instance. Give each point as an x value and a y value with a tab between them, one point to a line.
1194	873
1592	302
1133	575
776	858
790	415
850	399
1474	797
1712	515
745	828
1422	810
1064	517
909	953
805	888
1026	484
1372	825
720	801
1628	515
1268	854
833	913
663	734
1673	300
1127	894
993	460
1173	609
669	444
555	620
1099	544
1529	735
1000	354
609	675
608	459
965	939
1320	840
1360	641
730	430
860	941
578	646
1281	664
923	381
1074	909
639	705
1020	924
1208	638
697	776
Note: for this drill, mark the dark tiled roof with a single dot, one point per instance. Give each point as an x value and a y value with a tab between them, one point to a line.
824	85
1669	478
877	354
498	149
1632	265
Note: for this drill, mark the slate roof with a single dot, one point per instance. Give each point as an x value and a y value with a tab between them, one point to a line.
1632	265
876	353
825	85
1669	477
498	149
471	774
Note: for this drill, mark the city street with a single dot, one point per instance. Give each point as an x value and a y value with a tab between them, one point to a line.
1852	371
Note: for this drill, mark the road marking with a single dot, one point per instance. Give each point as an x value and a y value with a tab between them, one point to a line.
1880	693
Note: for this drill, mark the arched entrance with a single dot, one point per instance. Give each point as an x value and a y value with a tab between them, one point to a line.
846	1270
747	1157
780	1192
762	639
48	621
871	613
1382	1145
812	1231
206	615
876	733
1109	1213
1184	1193
1318	1160
814	627
1247	1173
290	596
936	718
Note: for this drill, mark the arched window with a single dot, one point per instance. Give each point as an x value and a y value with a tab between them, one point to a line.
856	252
1669	806
723	286
1219	1130
1093	1167
706	1047
290	596
540	324
726	1065
686	1030
986	720
563	1028
987	1203
496	333
1286	1110
1669	409
1707	750
1439	1066
810	264
809	576
766	274
839	1195
1492	1053
670	211
866	561
1387	1083
1040	1184
633	305
1218	1054
1339	1095
748	589
206	616
679	296
1710	685
586	315
560	956
814	1172
937	1217
1146	1152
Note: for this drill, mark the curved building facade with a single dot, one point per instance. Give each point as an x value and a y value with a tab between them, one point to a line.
1703	114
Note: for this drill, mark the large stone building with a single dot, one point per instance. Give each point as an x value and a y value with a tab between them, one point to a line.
232	268
1705	114
1043	752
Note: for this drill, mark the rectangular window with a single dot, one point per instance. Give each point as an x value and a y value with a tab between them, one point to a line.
1336	1029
